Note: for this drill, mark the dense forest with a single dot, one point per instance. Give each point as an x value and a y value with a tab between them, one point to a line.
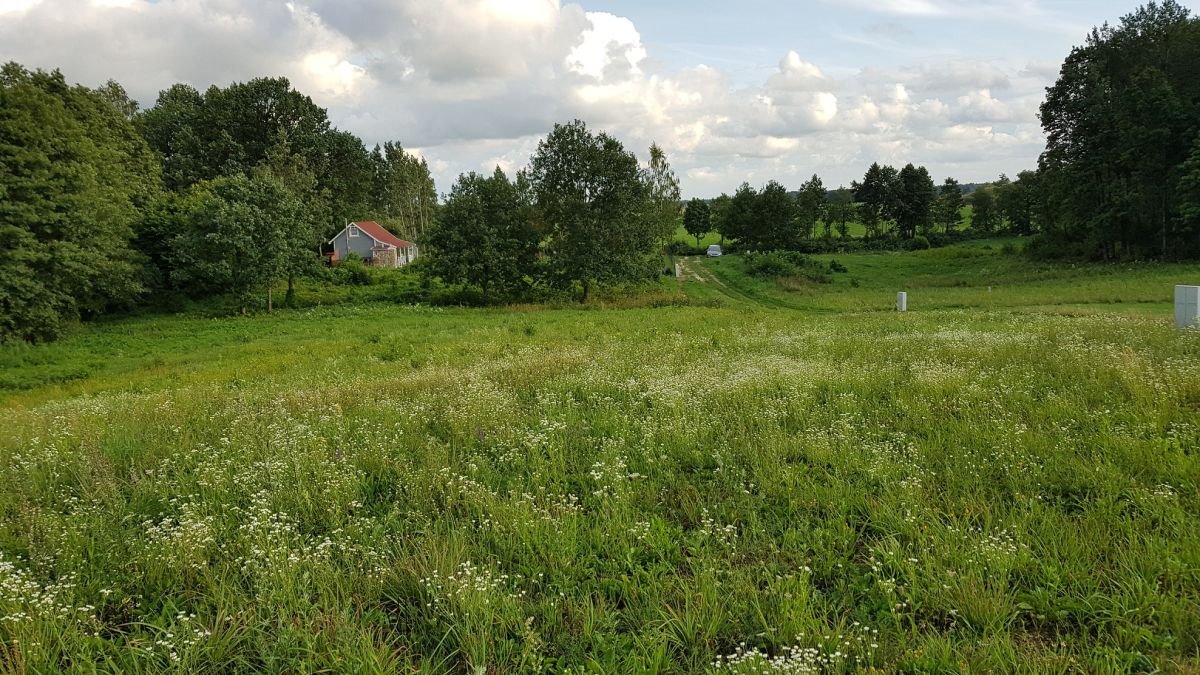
229	191
1121	173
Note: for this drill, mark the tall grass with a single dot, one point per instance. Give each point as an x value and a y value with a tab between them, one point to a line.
674	489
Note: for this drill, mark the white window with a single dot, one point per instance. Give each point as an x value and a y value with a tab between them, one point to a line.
353	232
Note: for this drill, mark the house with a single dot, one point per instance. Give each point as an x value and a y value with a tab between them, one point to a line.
373	244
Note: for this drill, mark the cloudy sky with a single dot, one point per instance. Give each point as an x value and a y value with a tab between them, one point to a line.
733	91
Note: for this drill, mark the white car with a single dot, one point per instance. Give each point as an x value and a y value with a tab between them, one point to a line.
714	251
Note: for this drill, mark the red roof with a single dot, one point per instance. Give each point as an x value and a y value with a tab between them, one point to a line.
375	231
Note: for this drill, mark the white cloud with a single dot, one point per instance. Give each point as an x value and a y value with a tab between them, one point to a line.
475	83
15	6
610	48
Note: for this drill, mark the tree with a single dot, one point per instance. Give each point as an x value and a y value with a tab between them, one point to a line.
950	202
346	179
1017	202
664	195
983	203
811	206
224	132
1119	122
892	187
697	219
303	234
405	196
1188	223
173	128
915	200
878	197
230	131
483	236
736	217
596	207
774	224
717	212
115	95
841	210
74	174
235	239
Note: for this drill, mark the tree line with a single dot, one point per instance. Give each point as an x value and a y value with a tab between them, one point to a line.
894	206
225	191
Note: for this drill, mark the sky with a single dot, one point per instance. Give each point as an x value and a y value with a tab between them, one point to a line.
732	91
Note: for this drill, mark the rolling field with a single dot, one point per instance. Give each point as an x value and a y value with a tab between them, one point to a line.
756	476
854	229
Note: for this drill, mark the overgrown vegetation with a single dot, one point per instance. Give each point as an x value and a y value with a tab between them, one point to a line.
675	489
775	264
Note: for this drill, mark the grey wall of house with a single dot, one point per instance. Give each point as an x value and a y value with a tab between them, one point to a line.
344	244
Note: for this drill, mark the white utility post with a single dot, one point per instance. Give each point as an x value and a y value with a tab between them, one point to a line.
1187	306
902	301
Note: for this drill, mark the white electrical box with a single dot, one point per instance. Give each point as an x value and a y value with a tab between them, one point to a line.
1187	306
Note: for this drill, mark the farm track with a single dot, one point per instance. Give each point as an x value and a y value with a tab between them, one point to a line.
695	269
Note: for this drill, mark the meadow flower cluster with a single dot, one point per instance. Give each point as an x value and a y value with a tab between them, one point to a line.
850	650
24	599
467	587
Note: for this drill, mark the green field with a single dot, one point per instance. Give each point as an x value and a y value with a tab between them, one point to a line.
854	229
741	475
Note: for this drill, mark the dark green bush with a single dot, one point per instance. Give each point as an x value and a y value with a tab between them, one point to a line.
917	243
353	272
778	264
769	264
684	248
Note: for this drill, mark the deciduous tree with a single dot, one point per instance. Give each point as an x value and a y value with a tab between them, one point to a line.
697	219
74	174
235	239
483	235
811	205
596	207
950	202
774	224
984	217
664	195
841	210
915	201
736	217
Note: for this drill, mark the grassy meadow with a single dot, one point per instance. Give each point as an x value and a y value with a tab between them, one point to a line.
740	475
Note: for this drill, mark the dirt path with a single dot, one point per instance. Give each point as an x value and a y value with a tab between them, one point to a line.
687	271
695	269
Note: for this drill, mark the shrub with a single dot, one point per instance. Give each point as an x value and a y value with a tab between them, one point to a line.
353	271
917	243
777	264
837	267
769	264
684	248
